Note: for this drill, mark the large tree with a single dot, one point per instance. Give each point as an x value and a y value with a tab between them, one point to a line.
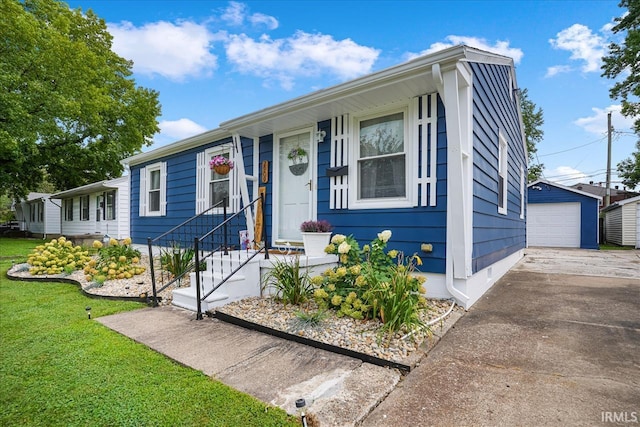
69	108
623	60
532	119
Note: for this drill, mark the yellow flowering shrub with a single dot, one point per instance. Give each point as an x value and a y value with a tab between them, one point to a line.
372	283
117	260
56	256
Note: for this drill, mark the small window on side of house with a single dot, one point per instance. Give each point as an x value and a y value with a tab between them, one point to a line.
84	208
502	175
68	210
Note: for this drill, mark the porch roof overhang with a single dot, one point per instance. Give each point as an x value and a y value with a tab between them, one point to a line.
89	188
387	87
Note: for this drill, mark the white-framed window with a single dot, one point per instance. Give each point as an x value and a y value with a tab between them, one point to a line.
503	180
84	208
110	205
68	209
211	187
153	191
99	207
523	184
383	171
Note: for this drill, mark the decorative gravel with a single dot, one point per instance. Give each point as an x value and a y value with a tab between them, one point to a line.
363	336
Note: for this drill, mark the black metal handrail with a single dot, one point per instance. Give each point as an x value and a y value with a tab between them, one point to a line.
185	241
201	256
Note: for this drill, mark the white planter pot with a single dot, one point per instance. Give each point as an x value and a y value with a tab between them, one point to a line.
314	243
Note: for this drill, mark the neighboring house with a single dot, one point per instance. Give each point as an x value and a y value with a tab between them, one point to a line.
559	216
431	149
622	222
101	208
615	194
39	214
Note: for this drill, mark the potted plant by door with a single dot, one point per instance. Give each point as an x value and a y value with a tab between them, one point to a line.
298	160
315	236
221	165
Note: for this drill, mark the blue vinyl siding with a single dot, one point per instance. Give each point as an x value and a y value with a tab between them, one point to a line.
588	210
181	191
495	236
410	227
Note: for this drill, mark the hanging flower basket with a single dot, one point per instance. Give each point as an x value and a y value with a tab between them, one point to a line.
221	165
222	169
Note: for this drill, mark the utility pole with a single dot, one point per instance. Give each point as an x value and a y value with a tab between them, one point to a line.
607	197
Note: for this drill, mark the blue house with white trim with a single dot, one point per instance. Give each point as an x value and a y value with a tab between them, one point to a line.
431	149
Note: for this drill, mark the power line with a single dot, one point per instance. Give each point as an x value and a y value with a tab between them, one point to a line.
574	148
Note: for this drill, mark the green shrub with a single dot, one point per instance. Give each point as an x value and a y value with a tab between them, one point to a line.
292	285
371	283
57	256
176	260
116	260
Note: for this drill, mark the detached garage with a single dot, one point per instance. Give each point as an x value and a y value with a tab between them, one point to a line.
561	217
622	222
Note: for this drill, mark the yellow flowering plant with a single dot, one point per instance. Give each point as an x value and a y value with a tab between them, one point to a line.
372	283
56	256
116	260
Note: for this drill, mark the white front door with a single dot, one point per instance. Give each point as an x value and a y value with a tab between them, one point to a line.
295	185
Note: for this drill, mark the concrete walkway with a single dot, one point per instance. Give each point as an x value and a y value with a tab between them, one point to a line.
540	348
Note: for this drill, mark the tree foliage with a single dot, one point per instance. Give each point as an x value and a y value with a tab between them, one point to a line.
69	109
624	60
629	168
533	120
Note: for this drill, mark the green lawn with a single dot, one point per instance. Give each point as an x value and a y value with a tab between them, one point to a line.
59	368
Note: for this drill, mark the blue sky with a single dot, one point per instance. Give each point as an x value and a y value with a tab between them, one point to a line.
212	61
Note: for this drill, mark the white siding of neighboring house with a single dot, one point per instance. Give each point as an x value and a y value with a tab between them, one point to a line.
118	228
629	225
50	223
613	226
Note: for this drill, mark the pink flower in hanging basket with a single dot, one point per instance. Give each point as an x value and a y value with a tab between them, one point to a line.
220	161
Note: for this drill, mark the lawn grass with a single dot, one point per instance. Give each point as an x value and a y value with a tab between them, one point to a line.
57	367
604	247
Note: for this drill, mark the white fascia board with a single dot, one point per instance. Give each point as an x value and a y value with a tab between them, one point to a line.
177	147
396	73
91	188
562	187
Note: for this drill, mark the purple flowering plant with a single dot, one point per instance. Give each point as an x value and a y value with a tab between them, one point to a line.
321	226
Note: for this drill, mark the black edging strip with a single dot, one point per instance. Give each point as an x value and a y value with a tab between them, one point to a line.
75	282
306	341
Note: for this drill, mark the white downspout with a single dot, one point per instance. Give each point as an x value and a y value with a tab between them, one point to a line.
448	89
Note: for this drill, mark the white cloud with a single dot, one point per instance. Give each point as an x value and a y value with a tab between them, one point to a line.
180	129
261	19
597	122
500	47
302	54
174	51
584	45
557	69
236	13
566	175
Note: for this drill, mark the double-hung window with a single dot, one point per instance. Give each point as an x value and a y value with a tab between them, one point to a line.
211	187
502	175
68	210
153	192
110	205
382	162
84	208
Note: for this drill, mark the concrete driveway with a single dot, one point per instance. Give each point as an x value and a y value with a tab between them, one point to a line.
555	342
